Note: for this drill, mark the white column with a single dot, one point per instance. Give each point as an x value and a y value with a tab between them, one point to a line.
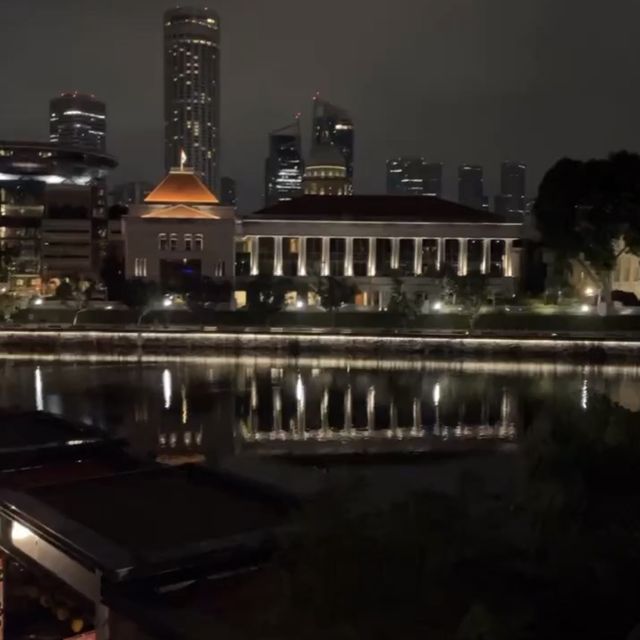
417	417
417	258
277	256
302	257
348	257
395	253
324	268
486	255
440	253
508	258
254	256
462	257
371	271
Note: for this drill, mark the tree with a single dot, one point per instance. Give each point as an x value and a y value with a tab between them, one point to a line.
139	293
266	293
8	255
334	292
209	290
470	292
589	213
112	273
400	302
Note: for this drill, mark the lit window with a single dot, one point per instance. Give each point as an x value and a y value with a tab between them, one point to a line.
162	241
173	242
199	242
140	268
220	269
188	242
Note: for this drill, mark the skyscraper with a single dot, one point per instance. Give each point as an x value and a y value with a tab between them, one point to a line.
471	186
333	124
408	176
228	192
78	120
284	166
513	186
192	91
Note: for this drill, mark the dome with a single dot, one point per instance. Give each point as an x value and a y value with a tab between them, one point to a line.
326	155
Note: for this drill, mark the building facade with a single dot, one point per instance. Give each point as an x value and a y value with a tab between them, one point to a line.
228	192
180	235
284	167
326	173
334	125
408	176
192	91
371	240
78	120
471	186
513	188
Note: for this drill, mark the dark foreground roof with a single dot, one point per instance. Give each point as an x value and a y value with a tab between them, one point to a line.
379	209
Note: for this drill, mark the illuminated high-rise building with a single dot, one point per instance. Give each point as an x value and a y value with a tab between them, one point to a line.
334	125
413	176
192	91
78	120
228	192
513	186
284	166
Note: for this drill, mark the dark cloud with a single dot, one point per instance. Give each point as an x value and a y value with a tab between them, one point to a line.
454	80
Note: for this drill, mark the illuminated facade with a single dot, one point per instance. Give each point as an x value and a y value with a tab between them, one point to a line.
284	166
326	173
334	125
370	240
192	91
412	176
78	120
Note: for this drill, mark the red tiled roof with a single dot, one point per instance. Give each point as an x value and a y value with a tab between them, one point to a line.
181	187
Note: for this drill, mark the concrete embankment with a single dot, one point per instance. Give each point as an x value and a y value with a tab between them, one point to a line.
132	344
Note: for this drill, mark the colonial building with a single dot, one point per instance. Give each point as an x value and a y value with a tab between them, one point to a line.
180	234
371	240
326	173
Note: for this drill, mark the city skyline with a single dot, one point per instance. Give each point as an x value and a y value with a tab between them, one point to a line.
477	108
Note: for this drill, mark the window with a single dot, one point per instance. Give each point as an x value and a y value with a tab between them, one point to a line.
290	252
497	258
360	256
383	257
475	256
337	252
429	257
140	268
162	241
199	242
173	242
188	242
451	255
407	256
314	256
243	257
266	255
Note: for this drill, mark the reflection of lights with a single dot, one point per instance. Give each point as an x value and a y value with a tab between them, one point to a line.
167	302
38	301
589	291
585	308
300	389
185	405
436	394
584	394
437	306
38	390
20	532
299	304
167	386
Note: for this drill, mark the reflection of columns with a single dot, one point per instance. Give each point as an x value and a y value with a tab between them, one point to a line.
302	257
393	416
417	414
324	412
506	418
371	270
348	257
348	411
300	407
395	253
508	262
277	256
439	253
254	256
277	409
417	256
324	268
253	407
462	257
486	256
371	409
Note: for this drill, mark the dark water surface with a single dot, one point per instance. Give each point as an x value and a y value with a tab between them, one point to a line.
230	408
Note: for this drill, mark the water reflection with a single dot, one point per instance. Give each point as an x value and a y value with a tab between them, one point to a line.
183	410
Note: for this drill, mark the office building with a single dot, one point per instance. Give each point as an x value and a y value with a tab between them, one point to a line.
228	192
284	167
78	120
471	186
326	172
334	125
408	176
130	193
513	186
192	91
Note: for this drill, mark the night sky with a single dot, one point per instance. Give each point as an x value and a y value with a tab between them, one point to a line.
454	80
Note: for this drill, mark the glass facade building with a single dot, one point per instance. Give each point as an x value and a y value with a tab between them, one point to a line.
471	186
192	91
284	167
78	120
413	176
334	125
